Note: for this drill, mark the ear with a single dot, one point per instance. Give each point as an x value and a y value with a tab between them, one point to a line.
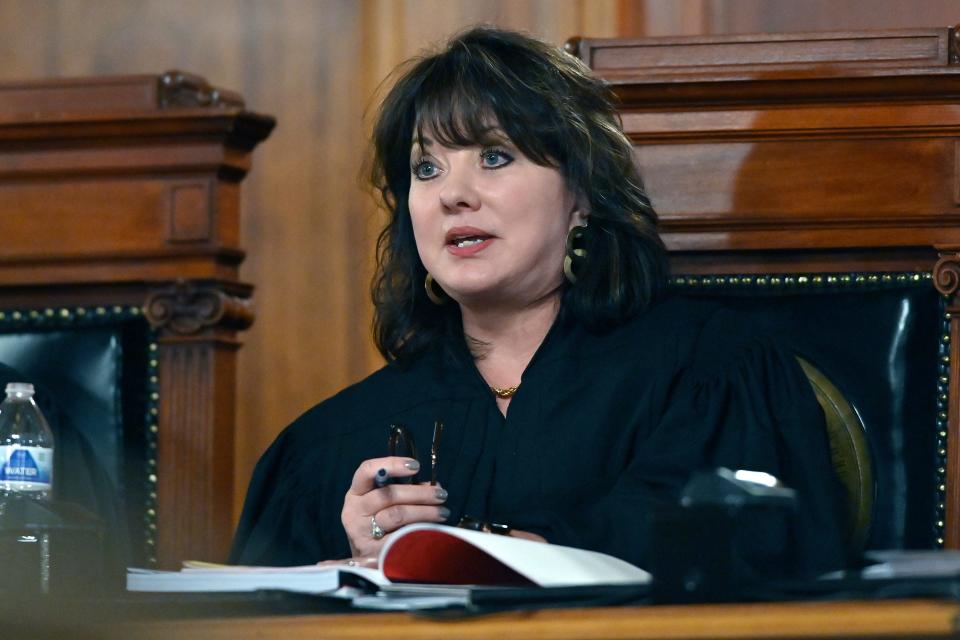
579	215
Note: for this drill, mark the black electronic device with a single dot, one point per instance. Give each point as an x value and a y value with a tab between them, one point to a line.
728	530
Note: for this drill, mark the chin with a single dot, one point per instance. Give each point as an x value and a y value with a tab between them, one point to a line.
474	295
471	285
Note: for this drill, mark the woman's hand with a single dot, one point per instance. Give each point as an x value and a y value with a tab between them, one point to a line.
526	535
390	507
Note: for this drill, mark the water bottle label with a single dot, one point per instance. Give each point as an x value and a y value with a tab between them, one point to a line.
26	468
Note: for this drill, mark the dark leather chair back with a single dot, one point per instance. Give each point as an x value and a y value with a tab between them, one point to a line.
97	387
878	339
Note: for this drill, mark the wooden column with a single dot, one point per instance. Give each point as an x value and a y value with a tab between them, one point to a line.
197	326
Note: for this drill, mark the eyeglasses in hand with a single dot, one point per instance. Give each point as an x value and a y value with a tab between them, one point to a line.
401	443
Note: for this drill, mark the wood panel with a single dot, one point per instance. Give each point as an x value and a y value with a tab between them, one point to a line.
765	16
841	141
701	17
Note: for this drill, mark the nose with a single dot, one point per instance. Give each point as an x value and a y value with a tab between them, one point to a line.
458	192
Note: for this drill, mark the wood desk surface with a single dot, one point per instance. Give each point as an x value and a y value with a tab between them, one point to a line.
848	619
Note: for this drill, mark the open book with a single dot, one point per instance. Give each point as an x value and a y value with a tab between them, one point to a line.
419	553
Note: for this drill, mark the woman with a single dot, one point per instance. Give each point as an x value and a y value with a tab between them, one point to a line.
519	302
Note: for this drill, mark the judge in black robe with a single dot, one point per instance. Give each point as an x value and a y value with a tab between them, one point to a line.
603	428
521	246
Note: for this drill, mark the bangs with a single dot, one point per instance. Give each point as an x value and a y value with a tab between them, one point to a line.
469	100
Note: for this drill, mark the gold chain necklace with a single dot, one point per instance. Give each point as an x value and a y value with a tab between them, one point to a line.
504	393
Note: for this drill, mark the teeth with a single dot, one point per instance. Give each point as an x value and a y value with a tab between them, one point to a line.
466	242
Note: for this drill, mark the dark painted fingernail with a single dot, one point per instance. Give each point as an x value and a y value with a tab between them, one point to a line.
444	513
441	494
413	465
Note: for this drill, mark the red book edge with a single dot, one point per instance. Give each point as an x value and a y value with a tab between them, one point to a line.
436	557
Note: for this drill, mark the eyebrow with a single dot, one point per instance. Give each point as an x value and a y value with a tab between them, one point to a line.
496	135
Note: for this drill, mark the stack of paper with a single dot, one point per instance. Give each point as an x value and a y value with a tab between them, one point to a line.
421	565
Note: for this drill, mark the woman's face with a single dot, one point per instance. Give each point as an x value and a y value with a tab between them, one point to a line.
489	223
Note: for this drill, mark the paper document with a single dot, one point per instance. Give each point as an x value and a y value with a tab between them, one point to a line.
305	579
912	564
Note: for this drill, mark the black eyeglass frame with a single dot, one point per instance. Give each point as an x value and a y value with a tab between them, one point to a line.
401	442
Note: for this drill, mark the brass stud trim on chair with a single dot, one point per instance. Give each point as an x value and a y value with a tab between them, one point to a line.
795	282
943	404
152	431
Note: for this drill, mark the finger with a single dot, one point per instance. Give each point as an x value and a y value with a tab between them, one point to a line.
369	562
355	561
334	563
397	494
362	542
396	467
392	518
359	530
526	535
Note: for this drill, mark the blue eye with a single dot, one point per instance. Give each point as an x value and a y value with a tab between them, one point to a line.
495	158
424	170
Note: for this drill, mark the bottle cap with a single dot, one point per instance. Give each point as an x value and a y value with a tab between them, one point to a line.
19	388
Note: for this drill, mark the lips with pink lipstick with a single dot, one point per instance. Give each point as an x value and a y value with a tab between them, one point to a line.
467	241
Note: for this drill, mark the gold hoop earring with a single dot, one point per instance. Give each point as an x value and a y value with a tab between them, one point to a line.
575	253
437	295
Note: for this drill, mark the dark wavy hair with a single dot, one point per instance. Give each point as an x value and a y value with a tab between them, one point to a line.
558	115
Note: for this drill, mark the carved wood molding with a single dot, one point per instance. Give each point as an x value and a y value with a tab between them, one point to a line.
179	89
187	308
946	273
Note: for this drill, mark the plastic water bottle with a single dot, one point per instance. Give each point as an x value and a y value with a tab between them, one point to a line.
26	445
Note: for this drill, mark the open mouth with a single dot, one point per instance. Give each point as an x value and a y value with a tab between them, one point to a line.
467	241
465	237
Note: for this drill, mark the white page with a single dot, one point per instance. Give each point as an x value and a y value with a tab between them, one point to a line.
547	565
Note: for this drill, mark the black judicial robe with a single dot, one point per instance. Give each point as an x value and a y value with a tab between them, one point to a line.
603	427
